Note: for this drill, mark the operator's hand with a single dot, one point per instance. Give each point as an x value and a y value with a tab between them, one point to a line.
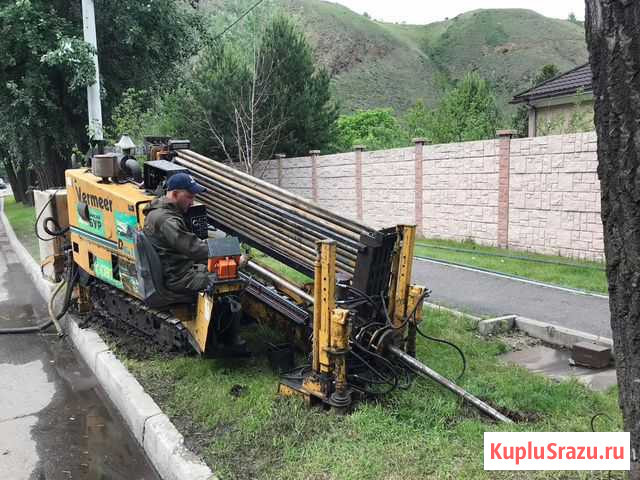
244	259
216	234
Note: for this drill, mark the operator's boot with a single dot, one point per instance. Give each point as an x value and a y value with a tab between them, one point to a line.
231	343
233	338
225	350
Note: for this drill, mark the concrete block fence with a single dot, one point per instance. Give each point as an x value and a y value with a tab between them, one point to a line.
537	194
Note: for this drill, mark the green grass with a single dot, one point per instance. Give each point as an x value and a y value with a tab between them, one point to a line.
23	218
419	433
280	267
592	279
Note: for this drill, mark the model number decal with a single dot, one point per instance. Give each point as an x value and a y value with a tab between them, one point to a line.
95	224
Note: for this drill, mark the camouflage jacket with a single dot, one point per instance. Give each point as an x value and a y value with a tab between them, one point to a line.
178	247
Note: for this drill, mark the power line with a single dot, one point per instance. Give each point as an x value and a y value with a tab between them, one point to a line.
237	20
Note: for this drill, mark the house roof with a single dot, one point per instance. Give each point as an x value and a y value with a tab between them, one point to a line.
567	83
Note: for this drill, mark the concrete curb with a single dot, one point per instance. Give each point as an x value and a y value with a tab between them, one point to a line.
547	332
153	430
493	326
30	265
557	335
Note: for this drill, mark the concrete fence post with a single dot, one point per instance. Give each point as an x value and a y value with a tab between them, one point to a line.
419	187
504	156
359	200
314	174
279	158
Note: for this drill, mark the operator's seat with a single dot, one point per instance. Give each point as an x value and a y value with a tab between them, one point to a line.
150	279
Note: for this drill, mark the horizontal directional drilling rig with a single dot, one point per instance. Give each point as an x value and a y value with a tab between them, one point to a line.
356	321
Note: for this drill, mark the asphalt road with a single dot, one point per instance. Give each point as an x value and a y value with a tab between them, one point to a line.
54	421
485	294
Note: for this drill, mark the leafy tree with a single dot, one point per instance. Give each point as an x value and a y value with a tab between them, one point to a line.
244	106
129	116
547	72
46	67
417	121
208	103
520	119
300	91
468	112
375	129
613	40
572	18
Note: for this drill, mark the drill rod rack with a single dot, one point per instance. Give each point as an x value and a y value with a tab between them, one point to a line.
268	216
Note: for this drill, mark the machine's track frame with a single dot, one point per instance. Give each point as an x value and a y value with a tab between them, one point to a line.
115	308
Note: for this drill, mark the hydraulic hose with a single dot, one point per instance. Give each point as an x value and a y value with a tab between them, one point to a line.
57	231
70	283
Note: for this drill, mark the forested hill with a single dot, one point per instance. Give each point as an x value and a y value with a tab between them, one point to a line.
376	64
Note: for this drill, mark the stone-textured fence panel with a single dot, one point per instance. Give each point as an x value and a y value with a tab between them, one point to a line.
388	185
554	200
460	182
537	194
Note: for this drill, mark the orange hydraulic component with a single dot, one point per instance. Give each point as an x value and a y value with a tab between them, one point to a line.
226	268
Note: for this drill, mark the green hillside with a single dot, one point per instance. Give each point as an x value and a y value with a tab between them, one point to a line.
376	64
507	47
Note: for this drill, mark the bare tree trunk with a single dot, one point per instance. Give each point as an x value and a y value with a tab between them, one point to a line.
18	192
613	37
52	164
22	175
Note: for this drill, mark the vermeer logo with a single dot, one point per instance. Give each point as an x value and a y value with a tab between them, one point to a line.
94	200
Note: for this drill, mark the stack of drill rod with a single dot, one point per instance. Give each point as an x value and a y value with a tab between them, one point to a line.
270	218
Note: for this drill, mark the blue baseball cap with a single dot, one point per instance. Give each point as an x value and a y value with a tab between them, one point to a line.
184	181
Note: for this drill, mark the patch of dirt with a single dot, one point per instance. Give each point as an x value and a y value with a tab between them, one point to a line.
505	48
197	437
518	340
127	341
238	390
520	416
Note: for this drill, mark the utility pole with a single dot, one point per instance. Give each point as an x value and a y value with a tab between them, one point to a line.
93	90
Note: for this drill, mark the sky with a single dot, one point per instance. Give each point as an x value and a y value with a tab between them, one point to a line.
424	11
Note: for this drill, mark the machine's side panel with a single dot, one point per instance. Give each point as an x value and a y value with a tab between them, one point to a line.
105	263
110	208
103	218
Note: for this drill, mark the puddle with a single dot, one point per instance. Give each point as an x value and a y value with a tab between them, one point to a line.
554	364
54	420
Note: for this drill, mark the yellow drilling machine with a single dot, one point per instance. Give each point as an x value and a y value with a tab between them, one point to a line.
356	321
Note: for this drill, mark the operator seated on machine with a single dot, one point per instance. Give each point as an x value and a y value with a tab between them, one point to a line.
182	253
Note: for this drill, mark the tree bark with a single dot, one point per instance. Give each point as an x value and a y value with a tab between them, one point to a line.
613	38
18	192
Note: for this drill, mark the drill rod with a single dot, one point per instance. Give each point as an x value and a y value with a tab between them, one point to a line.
246	203
259	223
206	172
424	371
279	281
269	204
289	250
269	189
